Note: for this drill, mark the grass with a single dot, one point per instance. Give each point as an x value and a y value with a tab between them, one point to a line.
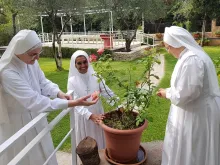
60	77
159	107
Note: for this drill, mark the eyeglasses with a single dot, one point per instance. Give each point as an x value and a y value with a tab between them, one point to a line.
34	55
80	63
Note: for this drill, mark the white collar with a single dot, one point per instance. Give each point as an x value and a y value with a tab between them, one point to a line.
182	53
17	61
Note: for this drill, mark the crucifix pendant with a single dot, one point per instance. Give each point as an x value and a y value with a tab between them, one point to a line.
87	90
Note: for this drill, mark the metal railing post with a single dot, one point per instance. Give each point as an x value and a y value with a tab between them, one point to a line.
73	138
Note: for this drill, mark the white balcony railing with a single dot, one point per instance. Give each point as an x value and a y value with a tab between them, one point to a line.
92	37
8	143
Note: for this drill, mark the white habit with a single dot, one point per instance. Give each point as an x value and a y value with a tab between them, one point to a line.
192	131
84	84
26	93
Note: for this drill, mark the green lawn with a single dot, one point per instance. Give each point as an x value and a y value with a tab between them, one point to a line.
48	66
158	110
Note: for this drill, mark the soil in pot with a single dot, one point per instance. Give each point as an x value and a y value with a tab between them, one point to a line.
121	120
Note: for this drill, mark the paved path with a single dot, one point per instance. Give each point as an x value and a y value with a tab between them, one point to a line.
158	70
153	149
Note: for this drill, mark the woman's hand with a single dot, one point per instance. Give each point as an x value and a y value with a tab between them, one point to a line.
161	93
82	101
95	95
62	95
96	118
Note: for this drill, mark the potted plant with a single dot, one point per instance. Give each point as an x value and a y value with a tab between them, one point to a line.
124	125
205	42
148	48
159	35
196	35
217	33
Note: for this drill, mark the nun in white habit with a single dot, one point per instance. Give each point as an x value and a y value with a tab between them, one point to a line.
192	132
82	82
24	93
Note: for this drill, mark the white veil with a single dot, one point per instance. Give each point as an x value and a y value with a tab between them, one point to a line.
82	81
177	37
73	70
23	41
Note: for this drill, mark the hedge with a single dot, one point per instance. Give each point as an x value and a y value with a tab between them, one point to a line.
67	52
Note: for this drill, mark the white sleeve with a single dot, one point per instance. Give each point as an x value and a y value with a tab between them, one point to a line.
106	92
189	82
48	88
14	85
82	110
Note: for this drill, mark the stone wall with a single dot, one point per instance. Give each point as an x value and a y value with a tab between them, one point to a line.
214	41
132	55
214	27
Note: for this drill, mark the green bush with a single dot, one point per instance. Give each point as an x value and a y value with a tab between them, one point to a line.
150	41
5	30
5	39
67	52
217	32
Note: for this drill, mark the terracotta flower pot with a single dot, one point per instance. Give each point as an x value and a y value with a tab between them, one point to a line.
123	145
196	35
159	35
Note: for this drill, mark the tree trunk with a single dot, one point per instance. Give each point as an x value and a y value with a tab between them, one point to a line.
55	54
157	27
128	44
54	48
87	150
13	23
203	31
59	58
128	39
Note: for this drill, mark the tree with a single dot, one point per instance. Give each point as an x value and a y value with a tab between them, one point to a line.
5	27
28	19
53	9
204	8
128	14
10	10
12	6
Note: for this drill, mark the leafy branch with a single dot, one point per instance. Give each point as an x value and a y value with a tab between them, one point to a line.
136	96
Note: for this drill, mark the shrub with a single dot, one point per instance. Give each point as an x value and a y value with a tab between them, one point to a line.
217	32
67	52
136	96
5	39
150	41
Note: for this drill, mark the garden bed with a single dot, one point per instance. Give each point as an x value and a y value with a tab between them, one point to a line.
137	52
